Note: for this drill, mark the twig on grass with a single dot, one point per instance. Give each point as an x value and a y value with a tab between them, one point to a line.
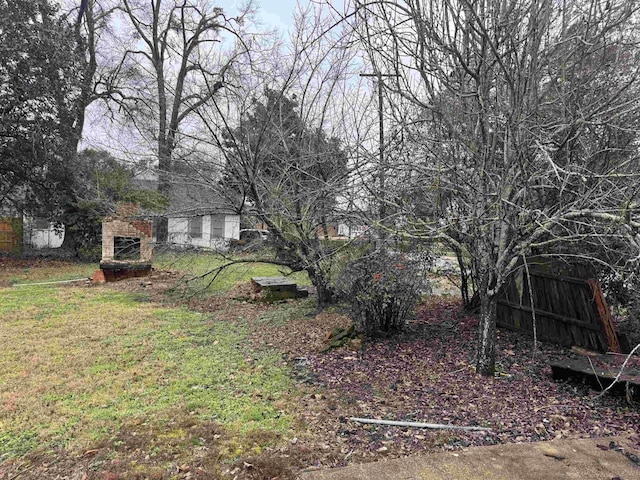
397	423
215	272
24	470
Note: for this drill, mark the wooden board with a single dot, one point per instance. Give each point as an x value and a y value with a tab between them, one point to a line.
9	239
274	283
599	368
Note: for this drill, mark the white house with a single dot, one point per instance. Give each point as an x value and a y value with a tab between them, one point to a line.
351	231
40	233
18	230
197	214
204	230
198	217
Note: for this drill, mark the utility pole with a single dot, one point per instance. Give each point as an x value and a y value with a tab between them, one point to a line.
382	212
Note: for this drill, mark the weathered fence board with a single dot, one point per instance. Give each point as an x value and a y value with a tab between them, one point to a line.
10	231
569	306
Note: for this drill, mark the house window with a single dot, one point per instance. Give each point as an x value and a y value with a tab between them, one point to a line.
195	227
40	223
217	226
126	248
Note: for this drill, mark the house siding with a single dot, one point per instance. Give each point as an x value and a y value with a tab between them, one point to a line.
179	232
42	237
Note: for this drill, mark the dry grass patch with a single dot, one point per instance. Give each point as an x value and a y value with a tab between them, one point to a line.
83	366
14	270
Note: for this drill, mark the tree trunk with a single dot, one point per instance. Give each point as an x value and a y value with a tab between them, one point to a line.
162	229
487	335
325	228
464	283
70	242
86	50
164	188
324	291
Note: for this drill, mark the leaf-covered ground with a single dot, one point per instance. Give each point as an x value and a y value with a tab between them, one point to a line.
427	375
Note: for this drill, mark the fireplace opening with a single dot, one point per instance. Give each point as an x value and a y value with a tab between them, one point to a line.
126	248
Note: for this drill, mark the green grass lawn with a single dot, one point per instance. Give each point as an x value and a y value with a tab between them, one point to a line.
194	264
199	264
79	364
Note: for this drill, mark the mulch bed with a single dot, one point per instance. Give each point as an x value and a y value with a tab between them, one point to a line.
427	375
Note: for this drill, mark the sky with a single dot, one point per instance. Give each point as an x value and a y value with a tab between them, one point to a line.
271	14
274	13
278	13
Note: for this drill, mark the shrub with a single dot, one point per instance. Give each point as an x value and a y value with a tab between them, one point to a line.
343	255
382	290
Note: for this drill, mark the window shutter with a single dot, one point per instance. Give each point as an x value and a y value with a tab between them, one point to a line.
195	227
217	226
40	223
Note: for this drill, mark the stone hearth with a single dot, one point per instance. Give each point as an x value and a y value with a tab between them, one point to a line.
127	247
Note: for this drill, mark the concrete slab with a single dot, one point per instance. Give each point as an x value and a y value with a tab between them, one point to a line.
274	282
278	288
560	459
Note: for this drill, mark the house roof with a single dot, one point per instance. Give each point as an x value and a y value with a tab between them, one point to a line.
188	197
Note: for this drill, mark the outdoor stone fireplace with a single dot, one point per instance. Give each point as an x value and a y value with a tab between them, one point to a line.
126	245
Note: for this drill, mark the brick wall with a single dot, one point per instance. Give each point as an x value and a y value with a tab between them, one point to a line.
121	226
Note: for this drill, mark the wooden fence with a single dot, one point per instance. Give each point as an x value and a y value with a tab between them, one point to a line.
569	306
10	235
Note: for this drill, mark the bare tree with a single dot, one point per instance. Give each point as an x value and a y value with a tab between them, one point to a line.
95	81
281	131
173	64
523	116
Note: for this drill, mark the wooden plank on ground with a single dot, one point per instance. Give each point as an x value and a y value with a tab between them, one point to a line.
605	316
268	281
598	367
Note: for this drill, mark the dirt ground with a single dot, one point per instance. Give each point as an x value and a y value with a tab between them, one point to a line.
583	459
425	374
